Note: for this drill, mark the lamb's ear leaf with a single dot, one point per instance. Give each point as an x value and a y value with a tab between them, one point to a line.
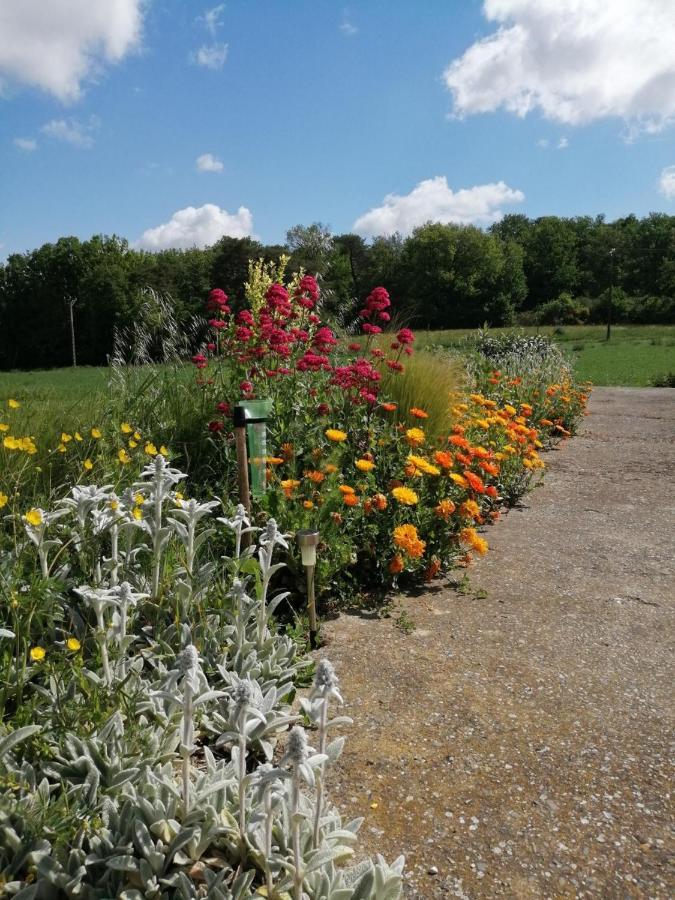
16	737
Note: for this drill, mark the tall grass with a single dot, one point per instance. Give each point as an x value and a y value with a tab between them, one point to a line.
428	382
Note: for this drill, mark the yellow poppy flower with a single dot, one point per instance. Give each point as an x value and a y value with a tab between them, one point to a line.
123	457
4	499
73	644
126	428
88	465
150	449
37	653
96	433
13	404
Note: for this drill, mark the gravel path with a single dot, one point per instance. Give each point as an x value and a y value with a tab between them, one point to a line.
516	743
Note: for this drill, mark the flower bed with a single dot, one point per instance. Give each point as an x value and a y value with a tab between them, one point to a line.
145	682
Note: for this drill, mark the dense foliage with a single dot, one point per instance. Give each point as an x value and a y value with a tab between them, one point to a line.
551	269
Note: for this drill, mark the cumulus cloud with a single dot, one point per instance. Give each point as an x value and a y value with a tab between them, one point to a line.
26	144
72	132
563	143
667	182
432	200
573	61
197	227
207	162
56	46
348	28
211	56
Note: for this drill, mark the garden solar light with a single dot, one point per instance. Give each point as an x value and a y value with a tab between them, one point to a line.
308	540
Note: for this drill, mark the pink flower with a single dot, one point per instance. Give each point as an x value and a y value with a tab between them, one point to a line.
242	333
217	301
245	317
371	329
210	347
405	336
224	408
215	427
246	387
217	323
355	347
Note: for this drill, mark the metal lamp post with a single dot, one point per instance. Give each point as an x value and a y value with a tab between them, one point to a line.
308	540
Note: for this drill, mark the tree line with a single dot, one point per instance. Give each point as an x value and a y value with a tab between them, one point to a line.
551	270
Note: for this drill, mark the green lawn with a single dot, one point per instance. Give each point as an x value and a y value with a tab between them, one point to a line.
634	356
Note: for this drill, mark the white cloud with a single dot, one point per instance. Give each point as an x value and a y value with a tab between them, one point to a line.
432	200
667	182
211	56
207	162
72	132
563	143
543	143
213	17
197	227
57	45
347	28
574	60
27	144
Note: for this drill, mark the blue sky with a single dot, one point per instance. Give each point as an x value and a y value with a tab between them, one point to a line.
312	110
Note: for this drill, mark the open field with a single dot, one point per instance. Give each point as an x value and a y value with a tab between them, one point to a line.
635	355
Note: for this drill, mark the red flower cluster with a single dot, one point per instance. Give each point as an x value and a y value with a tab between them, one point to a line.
217	302
377	303
360	377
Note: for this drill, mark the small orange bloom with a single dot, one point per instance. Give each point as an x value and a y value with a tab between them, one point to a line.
315	476
444	459
445	509
350	500
389	407
418	413
474	482
396	565
380	502
346	489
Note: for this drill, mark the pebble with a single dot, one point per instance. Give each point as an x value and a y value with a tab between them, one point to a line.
432	870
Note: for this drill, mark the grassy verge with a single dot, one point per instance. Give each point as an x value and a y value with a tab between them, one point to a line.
634	356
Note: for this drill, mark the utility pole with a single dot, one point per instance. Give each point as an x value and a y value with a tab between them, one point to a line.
611	292
71	301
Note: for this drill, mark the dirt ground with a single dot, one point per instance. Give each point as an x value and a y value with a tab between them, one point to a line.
516	743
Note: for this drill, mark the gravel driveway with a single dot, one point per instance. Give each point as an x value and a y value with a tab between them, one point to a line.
516	743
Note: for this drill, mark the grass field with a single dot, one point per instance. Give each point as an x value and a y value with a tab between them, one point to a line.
634	356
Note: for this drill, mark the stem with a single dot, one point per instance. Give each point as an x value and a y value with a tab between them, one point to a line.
297	857
269	825
186	743
319	774
242	774
114	552
156	540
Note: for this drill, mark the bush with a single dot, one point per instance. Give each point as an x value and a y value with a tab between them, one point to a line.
565	310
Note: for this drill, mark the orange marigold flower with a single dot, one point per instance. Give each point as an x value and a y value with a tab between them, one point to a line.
336	517
405	495
458	441
287	451
330	469
444	459
474	482
410	470
307	504
315	476
350	500
289	485
463	459
470	509
418	413
470	536
364	465
415	437
335	435
445	509
389	407
274	460
396	565
459	480
346	489
489	468
406	537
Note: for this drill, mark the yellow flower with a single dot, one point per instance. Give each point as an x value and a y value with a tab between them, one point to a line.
4	426
4	499
123	457
364	465
459	479
414	436
139	499
88	465
10	443
178	495
13	404
73	644
307	504
164	450
37	653
470	536
126	428
137	513
334	434
34	517
26	444
137	436
78	436
96	433
61	448
114	505
65	437
150	449
132	443
405	495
